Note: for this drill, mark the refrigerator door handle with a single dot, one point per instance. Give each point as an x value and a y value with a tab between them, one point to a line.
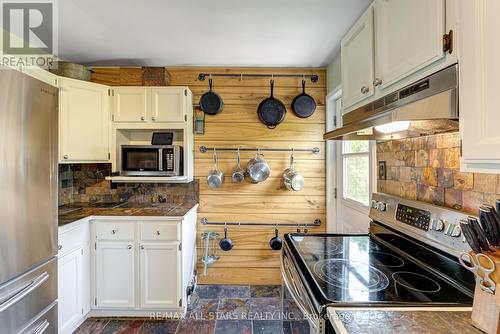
30	287
41	328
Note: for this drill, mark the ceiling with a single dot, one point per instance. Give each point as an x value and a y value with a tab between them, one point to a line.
281	33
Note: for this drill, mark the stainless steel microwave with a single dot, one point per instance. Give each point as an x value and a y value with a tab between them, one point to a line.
152	160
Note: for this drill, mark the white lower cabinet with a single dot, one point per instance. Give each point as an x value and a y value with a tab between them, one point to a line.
73	278
142	265
160	275
115	274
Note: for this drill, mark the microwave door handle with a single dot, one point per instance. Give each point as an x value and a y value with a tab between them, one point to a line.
160	159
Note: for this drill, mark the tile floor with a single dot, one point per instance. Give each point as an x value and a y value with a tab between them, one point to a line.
217	309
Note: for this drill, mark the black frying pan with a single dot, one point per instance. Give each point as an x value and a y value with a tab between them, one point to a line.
303	105
271	111
210	102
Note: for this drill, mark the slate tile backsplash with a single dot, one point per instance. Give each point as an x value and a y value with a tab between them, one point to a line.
85	183
428	169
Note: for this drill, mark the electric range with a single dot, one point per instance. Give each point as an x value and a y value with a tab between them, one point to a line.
409	258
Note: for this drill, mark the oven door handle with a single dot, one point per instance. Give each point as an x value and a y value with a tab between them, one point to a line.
291	288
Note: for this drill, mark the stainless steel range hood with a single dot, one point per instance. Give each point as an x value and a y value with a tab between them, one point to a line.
429	106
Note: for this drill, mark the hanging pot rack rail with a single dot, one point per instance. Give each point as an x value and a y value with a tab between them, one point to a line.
317	222
314	150
313	77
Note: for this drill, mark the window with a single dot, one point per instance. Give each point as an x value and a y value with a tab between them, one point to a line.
356	167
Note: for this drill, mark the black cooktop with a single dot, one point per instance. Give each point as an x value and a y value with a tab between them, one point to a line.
363	270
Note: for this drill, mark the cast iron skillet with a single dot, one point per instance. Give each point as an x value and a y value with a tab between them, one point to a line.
303	105
210	102
271	111
276	243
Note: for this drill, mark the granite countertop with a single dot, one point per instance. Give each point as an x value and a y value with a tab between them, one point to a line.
76	211
392	321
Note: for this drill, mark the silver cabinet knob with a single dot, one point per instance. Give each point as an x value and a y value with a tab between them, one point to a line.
158	233
129	247
113	231
377	82
65	157
59	247
142	118
364	90
142	246
153	118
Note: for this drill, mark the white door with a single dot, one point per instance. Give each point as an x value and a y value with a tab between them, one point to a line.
84	121
408	37
167	104
115	274
160	275
130	104
357	61
349	177
479	85
70	285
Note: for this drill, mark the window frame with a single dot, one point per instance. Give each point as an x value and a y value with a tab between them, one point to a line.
354	204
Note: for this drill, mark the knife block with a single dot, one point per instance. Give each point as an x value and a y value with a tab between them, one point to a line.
486	307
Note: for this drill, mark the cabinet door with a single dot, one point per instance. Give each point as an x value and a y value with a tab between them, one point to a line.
70	284
84	121
130	104
408	37
479	85
160	275
357	61
167	104
115	274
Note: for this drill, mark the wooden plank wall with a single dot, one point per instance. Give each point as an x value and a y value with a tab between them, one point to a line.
251	261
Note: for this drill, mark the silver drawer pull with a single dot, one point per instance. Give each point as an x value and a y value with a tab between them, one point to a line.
113	231
158	233
41	328
24	291
142	246
129	247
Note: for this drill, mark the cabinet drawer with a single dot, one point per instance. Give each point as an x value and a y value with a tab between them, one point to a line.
160	231
115	230
74	238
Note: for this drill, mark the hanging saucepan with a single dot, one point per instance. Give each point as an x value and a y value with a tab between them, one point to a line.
215	178
258	169
225	243
303	105
271	111
291	179
238	174
210	102
276	243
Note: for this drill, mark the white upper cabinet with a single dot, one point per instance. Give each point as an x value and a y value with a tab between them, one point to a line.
167	104
84	121
408	37
41	74
357	61
130	104
150	104
479	85
160	275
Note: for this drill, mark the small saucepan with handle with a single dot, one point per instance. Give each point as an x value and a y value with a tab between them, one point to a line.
291	178
238	174
258	169
215	178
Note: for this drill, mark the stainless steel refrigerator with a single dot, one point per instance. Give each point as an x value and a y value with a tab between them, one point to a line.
28	204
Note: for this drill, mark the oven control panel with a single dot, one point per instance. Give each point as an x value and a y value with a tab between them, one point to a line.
412	216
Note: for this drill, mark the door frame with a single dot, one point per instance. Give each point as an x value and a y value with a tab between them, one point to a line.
334	181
